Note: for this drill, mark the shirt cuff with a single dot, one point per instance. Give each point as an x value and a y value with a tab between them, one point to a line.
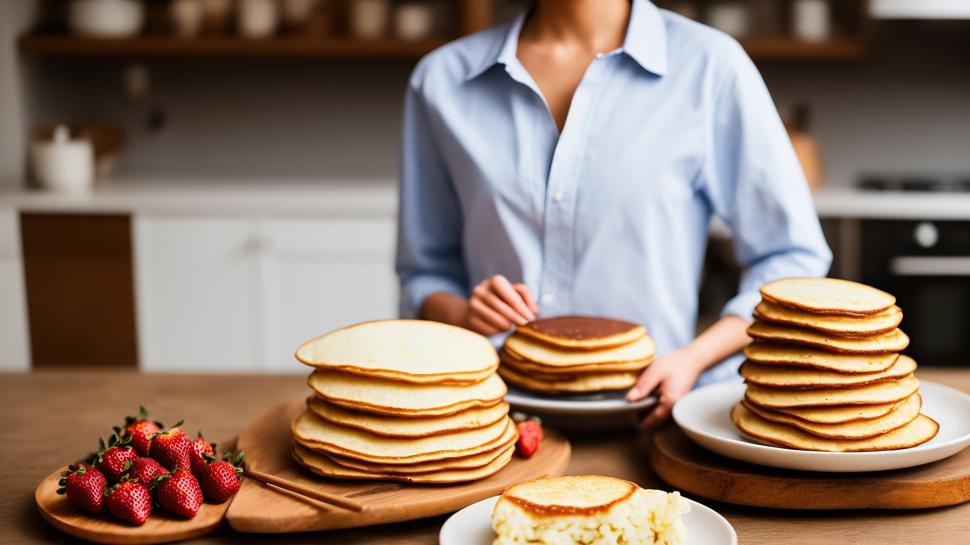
418	288
742	305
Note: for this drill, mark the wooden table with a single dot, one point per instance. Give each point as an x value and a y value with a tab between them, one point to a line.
52	417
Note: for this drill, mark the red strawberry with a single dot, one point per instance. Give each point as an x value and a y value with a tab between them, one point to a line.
220	479
111	458
172	448
144	470
178	493
140	429
84	486
200	450
129	501
530	435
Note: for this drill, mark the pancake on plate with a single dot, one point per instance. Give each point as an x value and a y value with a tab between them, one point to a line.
872	394
828	296
903	414
530	350
839	414
582	332
918	431
579	384
773	376
894	341
801	356
843	326
529	368
408	427
588	509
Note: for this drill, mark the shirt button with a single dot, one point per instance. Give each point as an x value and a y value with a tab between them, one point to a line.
557	197
548	298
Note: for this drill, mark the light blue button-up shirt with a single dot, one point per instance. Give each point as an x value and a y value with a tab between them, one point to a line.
611	216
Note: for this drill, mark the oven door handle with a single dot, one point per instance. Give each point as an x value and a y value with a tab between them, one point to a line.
930	266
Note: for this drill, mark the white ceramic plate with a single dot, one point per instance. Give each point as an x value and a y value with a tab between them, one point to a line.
704	415
473	526
571	412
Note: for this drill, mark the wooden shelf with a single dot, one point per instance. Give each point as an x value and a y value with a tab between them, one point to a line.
224	47
786	49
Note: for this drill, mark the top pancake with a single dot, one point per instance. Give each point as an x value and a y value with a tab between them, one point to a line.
582	332
570	495
416	351
403	399
894	341
530	350
844	326
828	296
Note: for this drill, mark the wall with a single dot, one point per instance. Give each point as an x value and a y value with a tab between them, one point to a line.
15	17
904	109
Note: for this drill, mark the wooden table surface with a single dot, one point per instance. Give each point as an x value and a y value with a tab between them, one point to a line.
50	418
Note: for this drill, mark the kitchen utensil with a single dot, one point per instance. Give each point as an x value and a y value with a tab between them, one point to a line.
473	526
368	19
811	20
63	164
187	17
679	462
257	18
105	18
267	439
589	412
306	491
413	21
215	15
704	415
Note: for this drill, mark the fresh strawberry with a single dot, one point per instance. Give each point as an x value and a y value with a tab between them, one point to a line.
144	470
178	493
140	429
111	458
200	451
129	501
530	435
84	486
172	448
221	478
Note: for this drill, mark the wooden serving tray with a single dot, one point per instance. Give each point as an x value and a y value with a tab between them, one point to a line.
691	468
159	528
260	509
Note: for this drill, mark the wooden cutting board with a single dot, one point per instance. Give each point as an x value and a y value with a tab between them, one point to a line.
695	470
159	528
266	442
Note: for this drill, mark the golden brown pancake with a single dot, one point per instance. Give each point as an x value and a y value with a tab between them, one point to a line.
579	384
582	332
839	414
872	394
894	341
465	462
842	326
775	376
528	367
828	296
409	426
527	349
916	432
905	413
801	356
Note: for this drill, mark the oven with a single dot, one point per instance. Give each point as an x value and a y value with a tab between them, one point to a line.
926	265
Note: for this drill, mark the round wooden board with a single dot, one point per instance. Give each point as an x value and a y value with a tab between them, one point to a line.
159	528
695	470
266	442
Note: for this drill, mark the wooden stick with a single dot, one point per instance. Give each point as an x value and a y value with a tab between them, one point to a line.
331	499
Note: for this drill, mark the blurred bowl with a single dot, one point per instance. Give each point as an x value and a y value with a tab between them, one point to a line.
106	18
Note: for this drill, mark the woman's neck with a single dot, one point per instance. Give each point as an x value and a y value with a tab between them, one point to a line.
599	25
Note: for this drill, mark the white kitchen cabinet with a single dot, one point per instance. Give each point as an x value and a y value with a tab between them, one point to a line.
240	294
195	280
14	344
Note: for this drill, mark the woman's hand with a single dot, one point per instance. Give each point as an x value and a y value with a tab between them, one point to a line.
497	304
672	375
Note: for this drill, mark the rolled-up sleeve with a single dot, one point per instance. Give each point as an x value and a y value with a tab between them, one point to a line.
429	248
755	183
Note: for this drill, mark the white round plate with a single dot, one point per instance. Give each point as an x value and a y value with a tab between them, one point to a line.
600	412
704	415
473	526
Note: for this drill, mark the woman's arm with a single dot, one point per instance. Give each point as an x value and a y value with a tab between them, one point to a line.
675	373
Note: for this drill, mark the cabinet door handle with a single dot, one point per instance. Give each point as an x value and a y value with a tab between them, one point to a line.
930	266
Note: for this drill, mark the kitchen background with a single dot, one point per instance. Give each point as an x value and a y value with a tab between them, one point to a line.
248	152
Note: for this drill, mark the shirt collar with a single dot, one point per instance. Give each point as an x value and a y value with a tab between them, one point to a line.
645	41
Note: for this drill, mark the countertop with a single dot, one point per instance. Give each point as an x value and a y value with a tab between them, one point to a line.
51	416
379	197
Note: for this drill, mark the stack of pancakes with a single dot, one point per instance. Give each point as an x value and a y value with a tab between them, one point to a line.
403	400
824	371
576	354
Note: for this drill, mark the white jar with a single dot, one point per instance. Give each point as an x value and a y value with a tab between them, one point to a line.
413	21
811	21
106	18
369	18
257	18
62	164
730	17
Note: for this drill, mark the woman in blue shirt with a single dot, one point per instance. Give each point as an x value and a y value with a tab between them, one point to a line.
571	160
